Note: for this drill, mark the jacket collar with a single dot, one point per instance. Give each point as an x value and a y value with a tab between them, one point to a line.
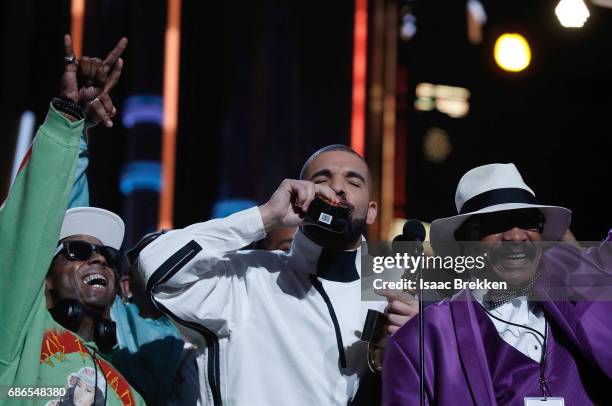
471	347
305	254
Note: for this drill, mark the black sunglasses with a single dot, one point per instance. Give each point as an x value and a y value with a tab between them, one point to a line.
481	225
82	251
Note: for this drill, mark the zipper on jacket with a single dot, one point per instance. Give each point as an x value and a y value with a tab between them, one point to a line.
319	287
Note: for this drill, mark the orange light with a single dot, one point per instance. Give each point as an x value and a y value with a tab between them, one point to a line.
360	52
171	94
77	14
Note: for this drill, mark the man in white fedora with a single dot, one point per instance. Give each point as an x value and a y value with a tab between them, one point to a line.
503	346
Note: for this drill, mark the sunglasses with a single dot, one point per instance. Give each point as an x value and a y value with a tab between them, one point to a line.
82	251
481	225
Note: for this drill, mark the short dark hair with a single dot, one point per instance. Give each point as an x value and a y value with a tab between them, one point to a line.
330	148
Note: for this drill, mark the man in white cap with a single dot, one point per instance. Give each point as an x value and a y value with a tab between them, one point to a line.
71	277
511	346
80	286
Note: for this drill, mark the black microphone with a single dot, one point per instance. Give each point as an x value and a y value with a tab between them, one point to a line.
413	230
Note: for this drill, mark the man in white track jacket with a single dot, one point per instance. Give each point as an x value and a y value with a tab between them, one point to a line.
280	328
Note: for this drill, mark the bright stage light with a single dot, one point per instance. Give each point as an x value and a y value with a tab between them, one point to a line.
450	100
512	52
572	13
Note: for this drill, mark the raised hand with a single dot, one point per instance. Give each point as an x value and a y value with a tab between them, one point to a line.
88	82
99	77
289	203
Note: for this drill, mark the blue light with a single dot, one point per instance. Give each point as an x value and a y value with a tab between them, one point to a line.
140	175
226	207
143	109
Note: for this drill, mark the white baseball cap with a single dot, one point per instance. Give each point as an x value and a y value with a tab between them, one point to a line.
102	224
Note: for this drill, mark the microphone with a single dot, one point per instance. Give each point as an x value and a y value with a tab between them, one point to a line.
413	230
374	329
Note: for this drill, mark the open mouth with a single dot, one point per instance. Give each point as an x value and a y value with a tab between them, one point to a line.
96	281
515	256
513	253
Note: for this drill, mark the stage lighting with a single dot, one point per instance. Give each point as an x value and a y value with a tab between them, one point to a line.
512	52
436	145
572	13
450	100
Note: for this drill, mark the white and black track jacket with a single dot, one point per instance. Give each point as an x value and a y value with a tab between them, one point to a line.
275	333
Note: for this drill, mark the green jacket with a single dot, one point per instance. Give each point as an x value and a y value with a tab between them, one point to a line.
35	351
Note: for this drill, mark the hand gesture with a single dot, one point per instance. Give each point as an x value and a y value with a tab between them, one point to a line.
289	203
89	81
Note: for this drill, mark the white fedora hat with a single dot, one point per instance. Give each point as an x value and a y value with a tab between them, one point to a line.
102	224
493	188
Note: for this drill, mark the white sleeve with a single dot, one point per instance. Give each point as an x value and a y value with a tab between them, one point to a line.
193	275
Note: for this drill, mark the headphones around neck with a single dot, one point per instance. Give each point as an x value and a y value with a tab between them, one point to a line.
70	313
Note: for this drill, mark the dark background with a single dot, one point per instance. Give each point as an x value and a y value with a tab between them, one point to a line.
265	83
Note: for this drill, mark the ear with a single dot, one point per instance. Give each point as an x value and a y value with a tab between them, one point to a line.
126	289
372	212
48	292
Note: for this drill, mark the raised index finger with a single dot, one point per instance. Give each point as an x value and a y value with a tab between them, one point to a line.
68	50
113	55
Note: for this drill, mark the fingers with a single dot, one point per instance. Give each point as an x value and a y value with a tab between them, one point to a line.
114	76
68	50
89	68
70	68
402	308
113	56
102	109
395	294
303	192
326	192
399	314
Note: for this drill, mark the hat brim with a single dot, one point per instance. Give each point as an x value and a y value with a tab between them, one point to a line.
101	224
442	232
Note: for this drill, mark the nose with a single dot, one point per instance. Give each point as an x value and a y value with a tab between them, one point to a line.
97	258
515	234
338	186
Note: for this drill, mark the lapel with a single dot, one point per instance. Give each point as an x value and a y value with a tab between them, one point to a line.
562	312
471	349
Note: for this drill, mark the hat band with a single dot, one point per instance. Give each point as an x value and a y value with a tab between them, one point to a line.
497	196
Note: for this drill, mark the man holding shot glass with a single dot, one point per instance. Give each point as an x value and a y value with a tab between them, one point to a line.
281	328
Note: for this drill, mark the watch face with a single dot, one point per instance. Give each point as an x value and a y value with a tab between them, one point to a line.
326	215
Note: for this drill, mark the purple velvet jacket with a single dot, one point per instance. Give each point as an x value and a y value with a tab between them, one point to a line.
467	362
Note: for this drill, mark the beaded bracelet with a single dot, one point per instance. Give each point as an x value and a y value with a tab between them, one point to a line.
67	106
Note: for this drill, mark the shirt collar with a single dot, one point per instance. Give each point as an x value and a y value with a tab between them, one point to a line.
304	257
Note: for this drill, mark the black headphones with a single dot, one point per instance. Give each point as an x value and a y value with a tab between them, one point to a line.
70	313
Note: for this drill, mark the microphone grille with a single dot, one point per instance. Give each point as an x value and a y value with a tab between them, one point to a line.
413	230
